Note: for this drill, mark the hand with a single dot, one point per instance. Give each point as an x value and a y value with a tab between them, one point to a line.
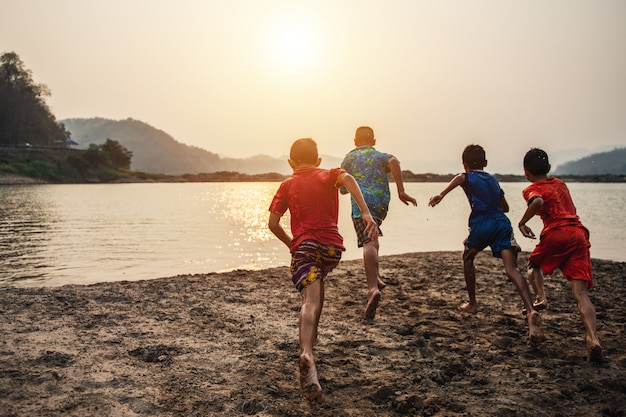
527	231
371	227
406	199
434	200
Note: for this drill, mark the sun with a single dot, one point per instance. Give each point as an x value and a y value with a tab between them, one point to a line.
293	44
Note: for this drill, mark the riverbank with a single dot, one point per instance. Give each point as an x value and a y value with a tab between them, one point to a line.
10	179
226	344
232	176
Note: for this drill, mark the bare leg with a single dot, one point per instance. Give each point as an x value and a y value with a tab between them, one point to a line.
470	281
509	258
310	312
535	276
381	284
588	315
370	260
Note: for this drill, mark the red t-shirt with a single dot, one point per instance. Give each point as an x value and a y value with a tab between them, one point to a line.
558	208
312	199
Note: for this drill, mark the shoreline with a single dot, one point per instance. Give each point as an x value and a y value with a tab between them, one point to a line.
14	179
8	179
226	344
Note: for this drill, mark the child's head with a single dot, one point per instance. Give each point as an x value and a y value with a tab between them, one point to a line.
536	162
474	157
303	152
364	136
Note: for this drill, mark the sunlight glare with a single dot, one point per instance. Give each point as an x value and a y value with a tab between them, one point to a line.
293	44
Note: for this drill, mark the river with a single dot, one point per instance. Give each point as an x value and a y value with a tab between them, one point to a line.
53	235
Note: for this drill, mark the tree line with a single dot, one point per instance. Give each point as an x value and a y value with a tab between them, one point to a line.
27	122
25	118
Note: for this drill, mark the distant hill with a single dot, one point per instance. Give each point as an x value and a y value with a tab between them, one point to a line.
603	163
157	152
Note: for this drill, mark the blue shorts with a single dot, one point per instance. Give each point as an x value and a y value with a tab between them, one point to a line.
496	233
312	260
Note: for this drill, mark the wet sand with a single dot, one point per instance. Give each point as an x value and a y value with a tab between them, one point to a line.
226	345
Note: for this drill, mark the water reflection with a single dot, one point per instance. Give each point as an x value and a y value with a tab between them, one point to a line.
57	234
244	207
25	219
61	234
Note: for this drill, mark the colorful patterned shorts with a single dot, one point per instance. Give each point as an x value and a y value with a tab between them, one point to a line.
312	260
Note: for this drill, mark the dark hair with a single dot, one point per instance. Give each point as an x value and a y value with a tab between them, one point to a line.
536	162
474	157
304	151
364	134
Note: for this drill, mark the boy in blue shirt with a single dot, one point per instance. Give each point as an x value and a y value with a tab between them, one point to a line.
489	226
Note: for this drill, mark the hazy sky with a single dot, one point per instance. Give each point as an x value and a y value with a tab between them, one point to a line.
247	77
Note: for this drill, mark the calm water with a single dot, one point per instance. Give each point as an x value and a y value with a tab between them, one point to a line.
81	234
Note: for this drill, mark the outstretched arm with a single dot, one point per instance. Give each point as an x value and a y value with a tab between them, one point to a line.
396	172
531	210
455	182
348	181
276	228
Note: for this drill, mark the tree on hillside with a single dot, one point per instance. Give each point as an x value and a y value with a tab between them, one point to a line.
119	156
111	154
24	115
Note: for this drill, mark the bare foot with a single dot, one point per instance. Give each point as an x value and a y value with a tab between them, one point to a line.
594	352
540	304
535	332
469	308
381	284
309	384
372	305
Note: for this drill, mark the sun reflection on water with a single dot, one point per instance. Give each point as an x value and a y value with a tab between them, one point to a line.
81	234
245	207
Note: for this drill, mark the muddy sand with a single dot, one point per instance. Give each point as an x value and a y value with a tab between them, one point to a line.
226	345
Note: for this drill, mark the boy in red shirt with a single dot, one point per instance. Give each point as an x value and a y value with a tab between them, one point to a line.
564	243
311	196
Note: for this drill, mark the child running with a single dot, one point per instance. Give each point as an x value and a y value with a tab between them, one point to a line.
489	226
563	243
311	196
370	168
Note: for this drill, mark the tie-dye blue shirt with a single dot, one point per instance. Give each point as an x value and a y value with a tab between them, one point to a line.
369	168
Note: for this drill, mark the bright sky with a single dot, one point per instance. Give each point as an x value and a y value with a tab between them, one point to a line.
247	77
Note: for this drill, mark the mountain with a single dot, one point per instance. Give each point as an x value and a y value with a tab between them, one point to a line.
603	163
157	152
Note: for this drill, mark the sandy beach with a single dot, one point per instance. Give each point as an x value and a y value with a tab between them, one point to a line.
226	345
